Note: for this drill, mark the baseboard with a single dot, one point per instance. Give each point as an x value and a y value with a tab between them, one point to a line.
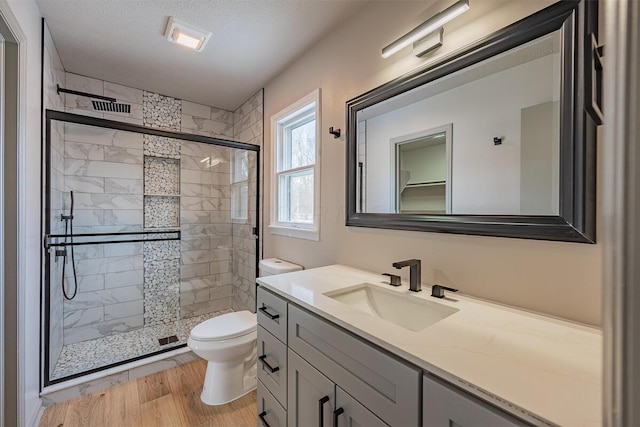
36	416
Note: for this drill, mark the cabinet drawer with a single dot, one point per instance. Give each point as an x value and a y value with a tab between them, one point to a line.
269	409
272	314
444	405
272	356
378	381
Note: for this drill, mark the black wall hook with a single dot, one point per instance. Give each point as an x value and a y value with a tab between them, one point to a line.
336	133
497	141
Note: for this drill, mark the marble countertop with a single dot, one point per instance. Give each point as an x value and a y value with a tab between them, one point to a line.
545	370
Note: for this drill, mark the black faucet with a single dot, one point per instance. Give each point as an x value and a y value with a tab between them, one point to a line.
415	277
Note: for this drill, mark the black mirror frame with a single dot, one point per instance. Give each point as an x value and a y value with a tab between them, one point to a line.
577	21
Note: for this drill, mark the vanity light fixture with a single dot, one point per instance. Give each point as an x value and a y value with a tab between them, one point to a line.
429	43
427	27
181	33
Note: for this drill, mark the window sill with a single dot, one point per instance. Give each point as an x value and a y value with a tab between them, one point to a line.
299	233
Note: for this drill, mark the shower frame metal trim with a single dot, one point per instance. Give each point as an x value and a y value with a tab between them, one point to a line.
60	116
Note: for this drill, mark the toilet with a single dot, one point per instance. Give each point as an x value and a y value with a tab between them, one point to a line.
228	343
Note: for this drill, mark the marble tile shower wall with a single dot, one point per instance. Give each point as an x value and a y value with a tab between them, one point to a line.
206	279
248	127
104	169
54	72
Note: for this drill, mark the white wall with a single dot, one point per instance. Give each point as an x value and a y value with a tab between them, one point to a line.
24	17
485	177
561	279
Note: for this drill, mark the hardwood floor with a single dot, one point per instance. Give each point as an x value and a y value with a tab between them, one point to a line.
168	398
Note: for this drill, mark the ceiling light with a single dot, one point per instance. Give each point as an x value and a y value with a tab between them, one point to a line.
427	27
181	33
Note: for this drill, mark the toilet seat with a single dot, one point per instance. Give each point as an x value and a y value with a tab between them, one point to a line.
225	326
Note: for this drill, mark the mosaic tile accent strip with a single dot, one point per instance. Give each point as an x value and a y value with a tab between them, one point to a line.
161	291
161	111
161	176
83	356
160	146
163	250
161	212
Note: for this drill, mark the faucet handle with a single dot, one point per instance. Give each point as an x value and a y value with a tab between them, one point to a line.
393	279
437	291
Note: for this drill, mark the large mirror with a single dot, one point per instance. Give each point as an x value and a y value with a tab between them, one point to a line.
492	140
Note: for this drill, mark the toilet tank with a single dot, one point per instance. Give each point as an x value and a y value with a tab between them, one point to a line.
272	266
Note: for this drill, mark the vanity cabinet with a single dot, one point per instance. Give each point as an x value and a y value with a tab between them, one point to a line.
318	374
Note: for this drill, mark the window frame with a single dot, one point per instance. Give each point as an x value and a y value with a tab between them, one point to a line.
295	114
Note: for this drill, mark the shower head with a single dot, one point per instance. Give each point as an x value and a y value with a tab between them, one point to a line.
112	107
105	104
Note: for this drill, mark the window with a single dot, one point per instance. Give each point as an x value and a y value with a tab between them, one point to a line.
239	185
295	180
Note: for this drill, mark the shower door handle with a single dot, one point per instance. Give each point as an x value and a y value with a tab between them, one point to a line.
271	369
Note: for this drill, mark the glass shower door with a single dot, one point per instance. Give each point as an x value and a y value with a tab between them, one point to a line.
147	234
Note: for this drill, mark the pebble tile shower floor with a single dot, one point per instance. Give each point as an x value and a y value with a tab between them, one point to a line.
86	355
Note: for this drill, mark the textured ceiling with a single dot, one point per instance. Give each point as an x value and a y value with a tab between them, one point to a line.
122	41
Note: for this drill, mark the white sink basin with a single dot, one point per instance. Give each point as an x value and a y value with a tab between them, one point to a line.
403	310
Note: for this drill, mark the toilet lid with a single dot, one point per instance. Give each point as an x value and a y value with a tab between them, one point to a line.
225	326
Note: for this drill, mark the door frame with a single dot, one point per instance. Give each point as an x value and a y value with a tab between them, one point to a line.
13	159
621	208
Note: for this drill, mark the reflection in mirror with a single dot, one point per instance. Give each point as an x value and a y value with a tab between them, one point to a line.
484	140
422	172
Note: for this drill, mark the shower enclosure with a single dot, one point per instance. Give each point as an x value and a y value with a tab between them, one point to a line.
147	233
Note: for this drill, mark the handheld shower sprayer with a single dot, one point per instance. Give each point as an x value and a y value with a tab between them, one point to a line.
68	231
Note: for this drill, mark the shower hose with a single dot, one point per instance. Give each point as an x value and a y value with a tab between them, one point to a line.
68	227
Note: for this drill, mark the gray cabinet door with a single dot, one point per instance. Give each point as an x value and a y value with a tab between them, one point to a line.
353	414
307	390
446	406
385	384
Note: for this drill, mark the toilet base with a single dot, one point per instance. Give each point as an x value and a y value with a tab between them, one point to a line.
226	382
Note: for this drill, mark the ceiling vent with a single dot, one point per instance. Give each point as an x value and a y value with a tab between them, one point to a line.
181	33
111	107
